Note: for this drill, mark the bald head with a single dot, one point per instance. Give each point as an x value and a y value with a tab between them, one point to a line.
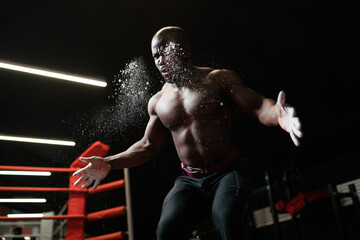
171	51
171	35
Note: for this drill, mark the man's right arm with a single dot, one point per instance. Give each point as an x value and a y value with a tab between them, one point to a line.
140	152
148	147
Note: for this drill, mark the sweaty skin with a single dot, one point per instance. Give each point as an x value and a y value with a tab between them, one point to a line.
195	108
199	115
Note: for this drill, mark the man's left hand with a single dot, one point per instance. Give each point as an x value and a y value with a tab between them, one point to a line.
287	119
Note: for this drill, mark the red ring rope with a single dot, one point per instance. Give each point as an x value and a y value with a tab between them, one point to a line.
95	216
102	188
111	236
77	196
40	189
41	169
106	214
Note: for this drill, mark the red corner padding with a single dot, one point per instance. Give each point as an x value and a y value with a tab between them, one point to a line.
96	149
298	202
111	236
77	200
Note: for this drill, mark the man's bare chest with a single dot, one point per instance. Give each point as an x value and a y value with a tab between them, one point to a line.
179	108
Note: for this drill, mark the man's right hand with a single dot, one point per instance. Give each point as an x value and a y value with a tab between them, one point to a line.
96	170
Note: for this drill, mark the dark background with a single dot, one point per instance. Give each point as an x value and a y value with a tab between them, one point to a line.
307	48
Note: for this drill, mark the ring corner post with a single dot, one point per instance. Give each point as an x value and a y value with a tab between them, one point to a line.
128	205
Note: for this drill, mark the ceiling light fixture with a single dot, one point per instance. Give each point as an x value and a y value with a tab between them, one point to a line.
46	73
37	140
22	200
20	215
25	173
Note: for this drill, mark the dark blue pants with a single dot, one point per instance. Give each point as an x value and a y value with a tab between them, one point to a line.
222	195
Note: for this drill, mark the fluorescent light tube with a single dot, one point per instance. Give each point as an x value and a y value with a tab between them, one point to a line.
25	173
37	140
22	200
14	215
31	70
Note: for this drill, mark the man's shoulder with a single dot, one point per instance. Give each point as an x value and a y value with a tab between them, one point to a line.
153	101
221	73
222	77
157	96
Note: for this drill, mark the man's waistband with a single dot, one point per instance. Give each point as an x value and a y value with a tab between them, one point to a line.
202	172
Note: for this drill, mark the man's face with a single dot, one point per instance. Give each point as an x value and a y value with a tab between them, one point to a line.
169	58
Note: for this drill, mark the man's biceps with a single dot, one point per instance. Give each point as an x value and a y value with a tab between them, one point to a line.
153	124
155	129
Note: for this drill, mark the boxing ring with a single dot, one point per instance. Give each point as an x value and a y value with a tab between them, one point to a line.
76	205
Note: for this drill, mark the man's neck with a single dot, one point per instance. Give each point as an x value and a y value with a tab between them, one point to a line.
188	77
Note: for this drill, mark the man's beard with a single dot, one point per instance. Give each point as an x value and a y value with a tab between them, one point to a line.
175	77
177	74
169	80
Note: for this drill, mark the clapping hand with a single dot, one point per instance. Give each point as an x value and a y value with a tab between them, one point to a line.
96	170
287	119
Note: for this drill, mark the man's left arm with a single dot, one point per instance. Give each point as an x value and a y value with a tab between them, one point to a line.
266	110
